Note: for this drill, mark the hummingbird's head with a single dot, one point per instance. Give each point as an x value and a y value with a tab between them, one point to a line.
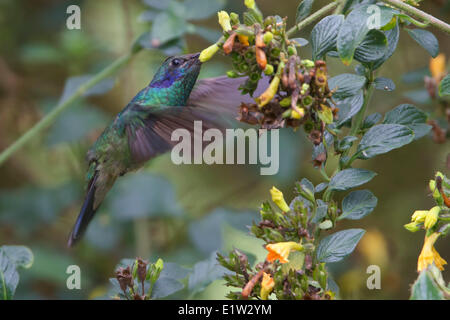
178	72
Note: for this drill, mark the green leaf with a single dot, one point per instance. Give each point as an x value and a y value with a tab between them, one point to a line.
358	204
346	85
21	256
383	138
335	247
348	107
74	83
371	120
410	116
426	39
392	37
350	178
372	48
143	195
384	84
9	277
205	272
201	9
425	289
444	86
157	4
303	10
167	27
324	35
165	286
296	261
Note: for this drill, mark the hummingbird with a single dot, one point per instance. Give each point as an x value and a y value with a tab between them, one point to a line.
142	130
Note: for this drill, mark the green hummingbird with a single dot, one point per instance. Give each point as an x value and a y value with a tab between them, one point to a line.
142	130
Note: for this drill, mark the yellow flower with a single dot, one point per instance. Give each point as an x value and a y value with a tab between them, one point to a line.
243	39
412	226
224	20
419	216
250	4
432	217
277	197
208	53
270	92
281	250
428	255
298	115
267	285
438	67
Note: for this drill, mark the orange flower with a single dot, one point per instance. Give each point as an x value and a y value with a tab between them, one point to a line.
438	67
428	255
281	250
267	285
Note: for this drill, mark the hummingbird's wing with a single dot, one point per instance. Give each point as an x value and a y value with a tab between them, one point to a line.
149	130
222	95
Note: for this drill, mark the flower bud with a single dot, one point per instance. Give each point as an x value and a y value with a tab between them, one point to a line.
298	113
267	285
234	17
224	20
285	102
292	50
268	36
232	74
270	92
419	216
412	226
432	217
308	63
278	198
268	70
209	52
250	4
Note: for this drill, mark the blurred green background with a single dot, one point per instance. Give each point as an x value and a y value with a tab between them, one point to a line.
178	213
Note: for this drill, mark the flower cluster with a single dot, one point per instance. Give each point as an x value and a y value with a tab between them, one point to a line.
291	269
140	274
434	222
260	50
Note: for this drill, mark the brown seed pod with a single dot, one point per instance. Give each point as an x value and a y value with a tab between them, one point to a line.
228	45
261	58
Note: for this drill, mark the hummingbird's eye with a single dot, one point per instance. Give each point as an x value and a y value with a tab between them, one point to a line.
176	62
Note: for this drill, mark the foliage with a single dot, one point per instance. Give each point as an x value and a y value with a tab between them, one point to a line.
12	258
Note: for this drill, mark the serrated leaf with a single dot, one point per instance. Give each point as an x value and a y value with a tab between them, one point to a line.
410	116
303	10
346	85
444	86
384	84
165	286
358	204
324	35
372	48
350	178
335	247
426	40
425	289
9	277
383	138
21	256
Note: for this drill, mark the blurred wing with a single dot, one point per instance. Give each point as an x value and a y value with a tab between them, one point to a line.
149	132
222	95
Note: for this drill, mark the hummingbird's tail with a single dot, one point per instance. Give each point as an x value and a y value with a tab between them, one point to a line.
86	213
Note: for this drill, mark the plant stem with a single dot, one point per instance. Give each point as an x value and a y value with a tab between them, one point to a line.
360	115
52	115
310	19
443	26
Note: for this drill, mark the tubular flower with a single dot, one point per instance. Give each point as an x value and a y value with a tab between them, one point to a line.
267	285
428	255
270	92
419	216
281	250
432	217
438	67
278	198
208	53
224	20
412	226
